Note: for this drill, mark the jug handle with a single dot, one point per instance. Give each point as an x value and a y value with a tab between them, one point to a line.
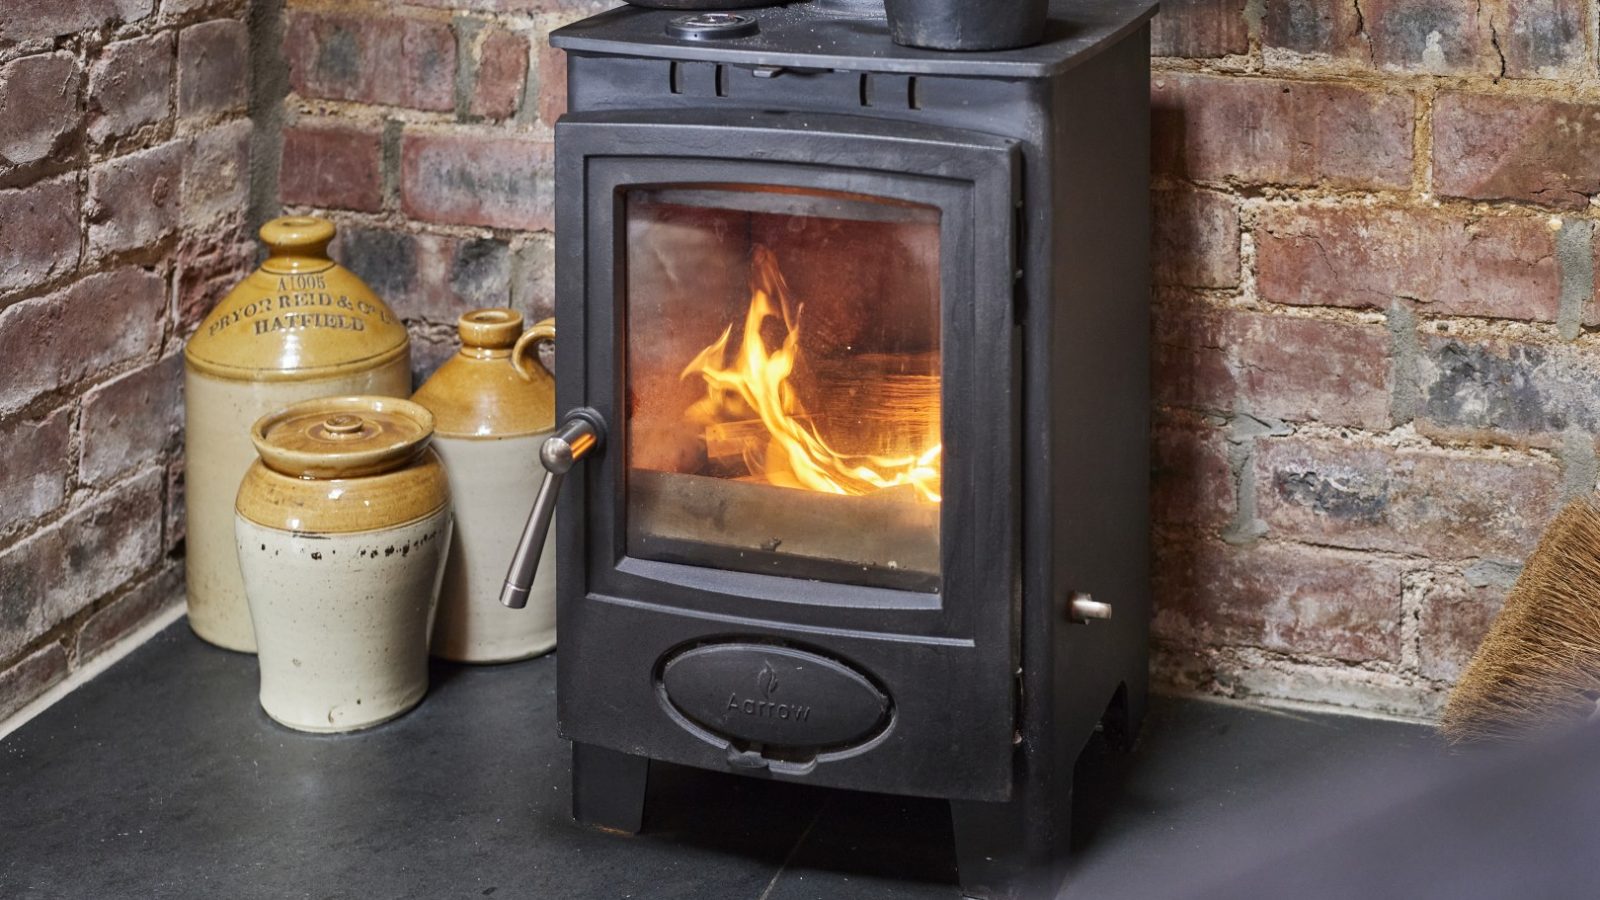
526	352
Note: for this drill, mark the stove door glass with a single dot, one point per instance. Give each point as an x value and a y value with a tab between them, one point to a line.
783	383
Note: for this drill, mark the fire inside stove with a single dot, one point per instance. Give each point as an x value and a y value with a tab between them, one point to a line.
783	383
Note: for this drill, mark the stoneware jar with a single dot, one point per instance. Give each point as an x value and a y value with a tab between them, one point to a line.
342	528
493	405
298	327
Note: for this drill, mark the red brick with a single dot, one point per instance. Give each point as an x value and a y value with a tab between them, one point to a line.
1191	481
58	340
60	570
34	476
119	618
501	74
1494	266
1438	36
1314	27
1302	370
213	67
428	277
208	266
552	84
132	421
1425	502
512	6
22	20
464	179
1289	599
332	167
1542	38
1259	131
373	59
31	676
1200	29
1456	614
133	200
1516	148
49	245
1196	239
216	174
129	86
1514	392
39	106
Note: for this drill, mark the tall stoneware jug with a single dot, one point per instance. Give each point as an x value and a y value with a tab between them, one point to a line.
298	327
342	529
493	404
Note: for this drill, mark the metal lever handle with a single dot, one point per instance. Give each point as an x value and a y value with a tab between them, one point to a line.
579	436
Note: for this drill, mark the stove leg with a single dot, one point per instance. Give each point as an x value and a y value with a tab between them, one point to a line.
1015	850
608	788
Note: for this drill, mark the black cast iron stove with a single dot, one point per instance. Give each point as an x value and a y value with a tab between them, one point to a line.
855	342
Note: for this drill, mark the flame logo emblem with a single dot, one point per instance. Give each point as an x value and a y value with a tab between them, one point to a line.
767	679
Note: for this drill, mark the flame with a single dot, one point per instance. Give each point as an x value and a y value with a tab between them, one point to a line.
756	381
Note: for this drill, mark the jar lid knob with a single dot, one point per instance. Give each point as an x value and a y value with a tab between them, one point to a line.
492	329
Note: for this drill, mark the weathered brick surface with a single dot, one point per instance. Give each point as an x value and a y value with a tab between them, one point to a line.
121	616
1302	600
1259	131
131	420
1507	391
133	200
1196	239
332	167
429	277
1200	29
1313	27
552	84
213	73
1191	480
216	174
501	74
39	97
1303	370
33	479
64	568
48	246
1364	497
1433	36
374	59
31	676
1456	611
1542	38
22	20
130	86
1492	147
42	340
1496	266
119	225
474	180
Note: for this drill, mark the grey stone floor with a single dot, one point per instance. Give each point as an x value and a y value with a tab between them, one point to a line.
162	778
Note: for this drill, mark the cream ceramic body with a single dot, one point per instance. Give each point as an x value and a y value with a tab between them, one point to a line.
342	620
492	485
218	451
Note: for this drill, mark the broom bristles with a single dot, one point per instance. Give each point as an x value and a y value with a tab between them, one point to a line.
1539	665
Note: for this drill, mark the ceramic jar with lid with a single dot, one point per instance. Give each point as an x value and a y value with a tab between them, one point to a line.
299	327
342	528
493	405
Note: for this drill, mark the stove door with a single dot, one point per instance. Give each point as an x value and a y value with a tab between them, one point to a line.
800	333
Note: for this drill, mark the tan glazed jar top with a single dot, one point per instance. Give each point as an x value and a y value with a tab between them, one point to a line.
343	465
300	315
495	386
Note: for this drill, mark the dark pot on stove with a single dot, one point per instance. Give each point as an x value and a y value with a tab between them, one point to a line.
967	24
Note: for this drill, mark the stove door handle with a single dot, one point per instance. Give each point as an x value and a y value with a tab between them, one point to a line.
580	434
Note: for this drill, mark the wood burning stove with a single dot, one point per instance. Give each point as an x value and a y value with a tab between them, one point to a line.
855	354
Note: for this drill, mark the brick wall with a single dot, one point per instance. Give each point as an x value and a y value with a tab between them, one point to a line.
424	130
1376	373
123	185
